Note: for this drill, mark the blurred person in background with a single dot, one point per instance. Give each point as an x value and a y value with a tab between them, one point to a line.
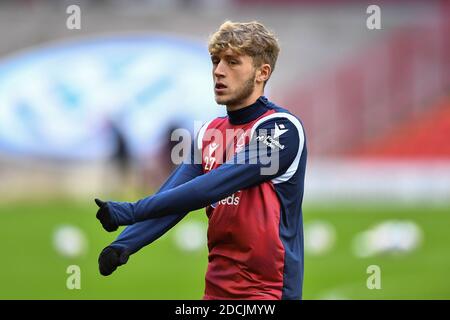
255	232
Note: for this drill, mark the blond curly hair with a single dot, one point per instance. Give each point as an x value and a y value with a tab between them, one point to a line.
250	38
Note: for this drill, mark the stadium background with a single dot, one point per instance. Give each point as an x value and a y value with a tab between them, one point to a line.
87	113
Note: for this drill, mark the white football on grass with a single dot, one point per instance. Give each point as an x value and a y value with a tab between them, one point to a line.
69	241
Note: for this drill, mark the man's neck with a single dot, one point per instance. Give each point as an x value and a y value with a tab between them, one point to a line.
246	102
249	113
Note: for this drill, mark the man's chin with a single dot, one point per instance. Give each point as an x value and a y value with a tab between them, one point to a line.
220	100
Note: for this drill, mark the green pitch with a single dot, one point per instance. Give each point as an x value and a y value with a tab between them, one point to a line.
31	268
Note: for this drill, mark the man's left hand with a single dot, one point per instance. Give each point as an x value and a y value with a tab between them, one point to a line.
104	215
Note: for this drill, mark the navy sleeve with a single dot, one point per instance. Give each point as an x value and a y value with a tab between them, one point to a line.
273	149
140	234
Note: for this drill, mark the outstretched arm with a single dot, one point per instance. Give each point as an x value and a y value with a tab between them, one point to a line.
223	181
141	234
138	235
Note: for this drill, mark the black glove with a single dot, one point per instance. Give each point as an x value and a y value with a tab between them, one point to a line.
104	216
110	258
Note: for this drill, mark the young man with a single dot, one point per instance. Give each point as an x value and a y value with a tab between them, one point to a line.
250	181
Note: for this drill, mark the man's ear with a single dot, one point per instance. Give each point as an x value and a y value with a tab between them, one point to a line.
263	73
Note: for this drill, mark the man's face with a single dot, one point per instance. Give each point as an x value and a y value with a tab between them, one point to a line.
234	77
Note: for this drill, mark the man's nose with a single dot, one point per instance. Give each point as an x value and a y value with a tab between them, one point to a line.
220	69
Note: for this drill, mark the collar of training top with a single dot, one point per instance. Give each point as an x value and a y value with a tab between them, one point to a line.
248	113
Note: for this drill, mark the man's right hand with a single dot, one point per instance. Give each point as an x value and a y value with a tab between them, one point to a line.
110	258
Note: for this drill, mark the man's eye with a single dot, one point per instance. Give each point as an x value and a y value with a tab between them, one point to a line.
233	62
215	61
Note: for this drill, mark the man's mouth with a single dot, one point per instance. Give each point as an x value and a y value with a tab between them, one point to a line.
219	87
